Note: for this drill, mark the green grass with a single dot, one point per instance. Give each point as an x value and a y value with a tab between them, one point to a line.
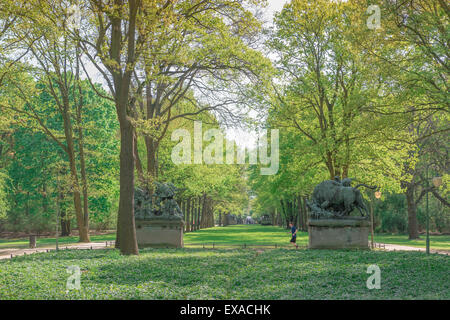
244	234
240	235
270	235
226	274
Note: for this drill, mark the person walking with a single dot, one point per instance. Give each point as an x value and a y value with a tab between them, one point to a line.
293	232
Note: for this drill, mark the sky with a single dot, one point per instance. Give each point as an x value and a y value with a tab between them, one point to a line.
275	5
244	138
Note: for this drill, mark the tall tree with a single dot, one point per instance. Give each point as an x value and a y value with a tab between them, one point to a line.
127	36
47	40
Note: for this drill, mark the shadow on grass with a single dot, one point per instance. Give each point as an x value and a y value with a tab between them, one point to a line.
240	274
286	274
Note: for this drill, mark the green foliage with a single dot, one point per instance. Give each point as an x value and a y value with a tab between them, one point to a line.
40	166
244	234
391	214
4	205
31	187
355	102
225	184
327	93
226	274
349	101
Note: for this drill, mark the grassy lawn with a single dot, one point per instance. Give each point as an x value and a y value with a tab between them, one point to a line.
226	274
244	234
270	235
239	234
195	273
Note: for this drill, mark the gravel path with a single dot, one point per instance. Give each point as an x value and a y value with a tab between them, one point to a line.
8	253
397	247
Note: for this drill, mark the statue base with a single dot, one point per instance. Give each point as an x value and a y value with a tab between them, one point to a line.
159	233
345	233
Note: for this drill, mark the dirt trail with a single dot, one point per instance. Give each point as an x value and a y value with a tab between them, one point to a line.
7	252
397	247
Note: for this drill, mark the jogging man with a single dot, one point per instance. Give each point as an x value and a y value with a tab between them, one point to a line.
294	234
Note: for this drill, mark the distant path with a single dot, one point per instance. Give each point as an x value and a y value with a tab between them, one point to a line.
6	253
235	235
397	247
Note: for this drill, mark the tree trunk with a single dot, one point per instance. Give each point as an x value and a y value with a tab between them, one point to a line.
65	221
126	231
299	213
204	213
32	241
283	210
188	213
191	221
83	234
210	214
139	169
277	217
152	165
65	224
83	171
182	207
79	121
305	215
412	216
194	213
198	217
150	144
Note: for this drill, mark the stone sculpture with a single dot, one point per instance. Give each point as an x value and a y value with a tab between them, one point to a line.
330	225
336	199
161	205
159	219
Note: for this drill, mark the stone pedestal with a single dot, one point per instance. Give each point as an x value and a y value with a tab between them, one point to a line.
159	233
33	241
351	232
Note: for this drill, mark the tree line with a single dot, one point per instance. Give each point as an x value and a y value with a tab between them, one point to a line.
91	91
361	102
161	62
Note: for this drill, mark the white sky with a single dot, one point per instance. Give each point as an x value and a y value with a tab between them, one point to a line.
246	138
275	5
242	138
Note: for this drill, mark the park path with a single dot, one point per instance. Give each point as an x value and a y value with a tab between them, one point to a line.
397	247
8	253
